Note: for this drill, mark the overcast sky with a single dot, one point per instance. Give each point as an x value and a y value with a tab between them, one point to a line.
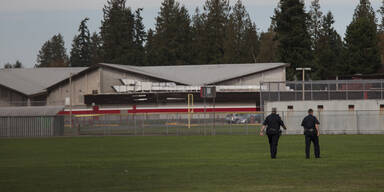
26	24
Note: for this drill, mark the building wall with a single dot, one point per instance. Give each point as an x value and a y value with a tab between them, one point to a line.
11	98
81	86
335	105
275	75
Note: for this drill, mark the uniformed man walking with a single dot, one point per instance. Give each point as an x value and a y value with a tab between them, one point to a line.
312	133
273	123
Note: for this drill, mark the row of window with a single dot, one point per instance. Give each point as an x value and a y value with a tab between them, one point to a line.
321	107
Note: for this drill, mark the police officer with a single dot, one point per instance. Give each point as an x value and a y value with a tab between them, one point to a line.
273	123
312	133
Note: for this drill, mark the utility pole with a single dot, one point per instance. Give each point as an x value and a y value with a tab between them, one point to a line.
70	101
303	72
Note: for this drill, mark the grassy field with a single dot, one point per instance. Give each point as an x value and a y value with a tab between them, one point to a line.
221	163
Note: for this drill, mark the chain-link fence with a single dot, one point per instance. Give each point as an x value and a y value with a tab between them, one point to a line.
182	124
165	124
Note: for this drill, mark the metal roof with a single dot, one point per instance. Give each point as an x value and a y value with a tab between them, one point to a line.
30	111
200	74
31	81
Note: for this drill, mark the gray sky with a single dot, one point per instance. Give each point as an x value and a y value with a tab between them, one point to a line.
26	24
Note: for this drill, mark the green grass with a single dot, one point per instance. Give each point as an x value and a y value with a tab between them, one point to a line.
221	163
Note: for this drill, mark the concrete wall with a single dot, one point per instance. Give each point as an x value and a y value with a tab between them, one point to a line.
275	75
11	98
335	118
80	87
337	122
335	105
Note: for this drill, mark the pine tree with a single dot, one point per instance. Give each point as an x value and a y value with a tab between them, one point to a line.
315	15
17	64
53	53
96	51
139	38
292	33
381	36
150	51
172	39
268	46
215	19
117	33
241	42
81	47
328	50
381	11
362	53
198	38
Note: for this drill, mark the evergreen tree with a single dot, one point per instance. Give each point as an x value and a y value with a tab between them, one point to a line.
150	51
173	36
139	38
53	53
241	41
17	64
381	36
215	19
96	51
315	15
381	11
362	53
81	47
268	47
292	33
118	33
198	38
328	50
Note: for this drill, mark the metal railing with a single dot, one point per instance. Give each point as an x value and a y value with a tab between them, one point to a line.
322	90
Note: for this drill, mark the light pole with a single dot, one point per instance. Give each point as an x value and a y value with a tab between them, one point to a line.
303	71
70	101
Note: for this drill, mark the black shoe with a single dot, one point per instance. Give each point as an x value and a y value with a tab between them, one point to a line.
307	157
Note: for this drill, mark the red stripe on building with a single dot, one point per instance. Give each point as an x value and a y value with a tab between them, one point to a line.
185	110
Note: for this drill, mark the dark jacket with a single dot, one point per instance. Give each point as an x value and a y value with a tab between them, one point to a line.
309	123
273	123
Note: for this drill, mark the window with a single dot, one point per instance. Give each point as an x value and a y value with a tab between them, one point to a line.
94	92
320	107
382	107
290	108
351	107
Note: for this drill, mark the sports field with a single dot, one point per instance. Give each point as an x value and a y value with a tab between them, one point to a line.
198	163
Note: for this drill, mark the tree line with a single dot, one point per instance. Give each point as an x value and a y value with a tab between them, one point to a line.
221	33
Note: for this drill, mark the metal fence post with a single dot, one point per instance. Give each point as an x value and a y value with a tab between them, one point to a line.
311	91
382	89
167	124
247	128
346	90
329	91
9	126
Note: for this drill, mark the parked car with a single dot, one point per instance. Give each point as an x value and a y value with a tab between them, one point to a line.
237	118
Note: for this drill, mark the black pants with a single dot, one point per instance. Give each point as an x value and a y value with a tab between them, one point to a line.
315	140
273	142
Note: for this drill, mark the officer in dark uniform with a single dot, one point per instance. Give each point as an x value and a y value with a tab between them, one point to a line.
273	123
312	133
